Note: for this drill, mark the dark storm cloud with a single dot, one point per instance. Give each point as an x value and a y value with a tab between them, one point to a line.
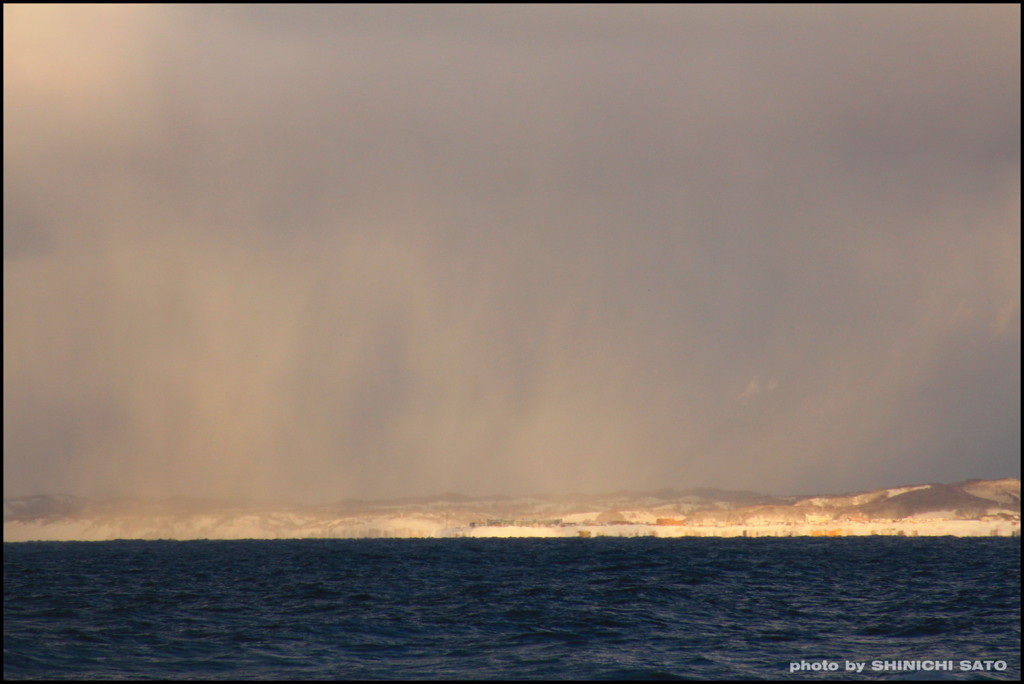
319	251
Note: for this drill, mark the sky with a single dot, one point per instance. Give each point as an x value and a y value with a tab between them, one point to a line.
303	253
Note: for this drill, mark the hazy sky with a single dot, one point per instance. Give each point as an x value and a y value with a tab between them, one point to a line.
312	252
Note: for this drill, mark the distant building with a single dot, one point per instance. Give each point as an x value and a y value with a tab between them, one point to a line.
668	521
817	518
501	522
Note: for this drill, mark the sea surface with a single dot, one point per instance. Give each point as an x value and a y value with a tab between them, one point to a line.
602	608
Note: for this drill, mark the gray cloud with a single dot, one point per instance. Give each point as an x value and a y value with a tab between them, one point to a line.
323	251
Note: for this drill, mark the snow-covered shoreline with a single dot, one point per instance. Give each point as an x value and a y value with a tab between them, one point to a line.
291	526
974	508
937	528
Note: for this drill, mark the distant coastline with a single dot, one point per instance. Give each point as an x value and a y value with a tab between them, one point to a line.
974	508
900	528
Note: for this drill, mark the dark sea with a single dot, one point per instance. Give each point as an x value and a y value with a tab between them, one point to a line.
568	609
